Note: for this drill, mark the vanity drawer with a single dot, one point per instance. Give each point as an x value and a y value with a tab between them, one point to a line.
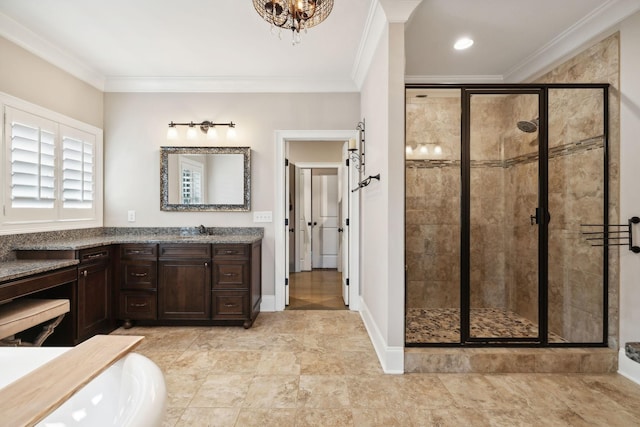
231	251
138	274
138	305
94	254
230	305
230	274
191	250
138	251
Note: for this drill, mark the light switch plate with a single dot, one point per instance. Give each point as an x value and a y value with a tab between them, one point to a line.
263	216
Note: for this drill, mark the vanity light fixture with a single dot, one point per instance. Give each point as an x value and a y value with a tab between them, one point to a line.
206	126
356	154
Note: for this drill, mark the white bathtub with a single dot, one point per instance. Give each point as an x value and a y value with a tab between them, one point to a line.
131	392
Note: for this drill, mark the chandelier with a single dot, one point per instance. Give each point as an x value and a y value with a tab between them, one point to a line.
294	15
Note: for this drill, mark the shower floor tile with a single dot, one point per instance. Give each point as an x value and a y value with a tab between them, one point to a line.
442	325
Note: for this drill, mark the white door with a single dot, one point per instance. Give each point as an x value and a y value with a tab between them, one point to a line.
324	213
343	195
303	230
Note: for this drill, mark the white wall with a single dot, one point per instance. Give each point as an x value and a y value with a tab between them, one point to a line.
136	127
630	175
382	224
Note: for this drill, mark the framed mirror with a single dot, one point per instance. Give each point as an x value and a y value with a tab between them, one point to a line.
205	179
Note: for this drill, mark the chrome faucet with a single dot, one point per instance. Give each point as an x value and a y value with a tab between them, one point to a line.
202	229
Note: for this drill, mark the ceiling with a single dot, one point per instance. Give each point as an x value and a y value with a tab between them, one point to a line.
158	45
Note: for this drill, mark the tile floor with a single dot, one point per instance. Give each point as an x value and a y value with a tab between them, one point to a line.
318	368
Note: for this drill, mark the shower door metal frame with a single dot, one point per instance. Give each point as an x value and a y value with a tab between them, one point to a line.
465	226
543	182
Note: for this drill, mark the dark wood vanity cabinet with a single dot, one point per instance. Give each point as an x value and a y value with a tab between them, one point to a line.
94	293
184	282
138	279
236	291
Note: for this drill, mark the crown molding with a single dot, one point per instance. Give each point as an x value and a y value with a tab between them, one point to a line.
227	84
600	23
42	48
453	79
373	30
399	11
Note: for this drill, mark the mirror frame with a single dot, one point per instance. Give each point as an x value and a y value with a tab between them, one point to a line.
164	179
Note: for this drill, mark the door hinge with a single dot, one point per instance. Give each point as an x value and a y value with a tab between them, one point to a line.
286	221
286	162
347	282
286	282
347	222
346	162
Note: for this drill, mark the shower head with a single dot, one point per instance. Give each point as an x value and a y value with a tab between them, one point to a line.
528	126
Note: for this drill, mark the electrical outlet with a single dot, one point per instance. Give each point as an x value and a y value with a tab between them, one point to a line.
264	216
131	216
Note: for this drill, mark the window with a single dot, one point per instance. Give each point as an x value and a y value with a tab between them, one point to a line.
53	170
191	172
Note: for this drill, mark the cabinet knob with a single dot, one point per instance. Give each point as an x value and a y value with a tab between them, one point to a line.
139	274
84	273
139	305
228	305
206	264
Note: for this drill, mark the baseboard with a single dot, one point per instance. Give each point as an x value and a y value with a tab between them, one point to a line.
391	358
268	303
628	368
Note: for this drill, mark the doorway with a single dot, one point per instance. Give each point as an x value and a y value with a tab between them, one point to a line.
314	193
348	216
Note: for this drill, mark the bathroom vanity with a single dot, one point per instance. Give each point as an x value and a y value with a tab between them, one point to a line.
159	276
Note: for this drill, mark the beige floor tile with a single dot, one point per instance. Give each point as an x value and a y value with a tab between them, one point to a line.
323	391
374	391
250	417
221	391
171	417
209	417
475	391
367	417
234	362
309	417
421	391
279	363
451	417
360	363
321	363
181	389
272	391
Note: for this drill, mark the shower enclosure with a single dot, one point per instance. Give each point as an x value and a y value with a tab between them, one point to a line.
500	183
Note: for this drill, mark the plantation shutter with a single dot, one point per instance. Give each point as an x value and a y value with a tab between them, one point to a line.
32	161
78	169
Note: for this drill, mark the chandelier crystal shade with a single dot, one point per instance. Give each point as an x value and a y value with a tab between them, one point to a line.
294	15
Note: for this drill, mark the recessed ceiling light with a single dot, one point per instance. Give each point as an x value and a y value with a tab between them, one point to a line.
463	43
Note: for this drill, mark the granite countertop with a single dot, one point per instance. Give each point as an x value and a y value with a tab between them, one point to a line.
10	270
92	242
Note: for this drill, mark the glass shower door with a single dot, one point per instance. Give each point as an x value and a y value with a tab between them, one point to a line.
502	214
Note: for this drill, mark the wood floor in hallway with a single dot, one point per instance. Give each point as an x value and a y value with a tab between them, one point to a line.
316	290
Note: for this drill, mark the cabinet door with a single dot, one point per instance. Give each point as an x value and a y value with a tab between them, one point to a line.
94	299
184	288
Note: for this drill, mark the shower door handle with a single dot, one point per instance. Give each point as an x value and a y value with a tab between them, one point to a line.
535	219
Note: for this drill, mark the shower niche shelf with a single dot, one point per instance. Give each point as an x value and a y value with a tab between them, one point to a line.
611	234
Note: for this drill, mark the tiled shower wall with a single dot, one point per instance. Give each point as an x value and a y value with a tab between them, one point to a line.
504	187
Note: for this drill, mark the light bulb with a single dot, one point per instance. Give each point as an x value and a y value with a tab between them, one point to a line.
437	149
172	132
212	133
424	149
192	133
409	149
463	43
231	133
